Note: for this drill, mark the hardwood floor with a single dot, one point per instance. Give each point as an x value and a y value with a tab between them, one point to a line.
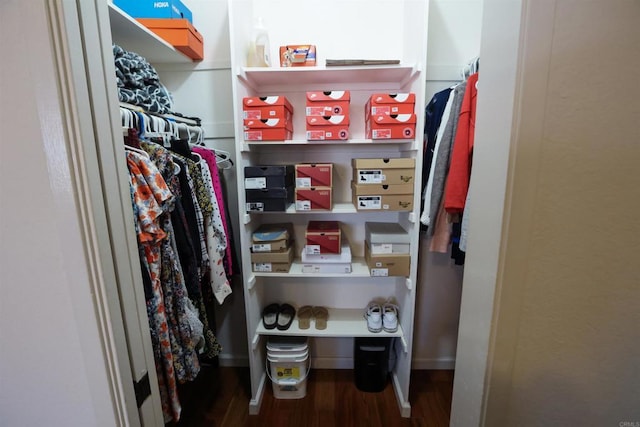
220	397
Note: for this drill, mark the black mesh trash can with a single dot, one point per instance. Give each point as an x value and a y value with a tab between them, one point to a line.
371	363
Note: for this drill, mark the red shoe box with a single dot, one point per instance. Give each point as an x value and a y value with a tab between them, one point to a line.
324	237
313	198
402	126
331	103
314	175
268	130
266	107
334	128
390	103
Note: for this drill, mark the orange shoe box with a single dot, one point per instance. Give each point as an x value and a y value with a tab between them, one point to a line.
313	198
267	130
327	128
402	126
390	103
323	237
179	33
314	175
331	103
267	107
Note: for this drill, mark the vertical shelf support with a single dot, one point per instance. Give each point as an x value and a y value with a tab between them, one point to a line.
408	283
412	217
251	282
256	340
405	347
246	219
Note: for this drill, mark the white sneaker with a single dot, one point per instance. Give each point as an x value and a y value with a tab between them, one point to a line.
374	317
390	317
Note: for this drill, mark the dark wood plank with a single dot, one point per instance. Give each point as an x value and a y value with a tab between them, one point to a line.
220	397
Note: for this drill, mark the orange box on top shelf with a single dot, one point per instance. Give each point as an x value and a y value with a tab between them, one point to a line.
401	126
179	33
267	130
328	103
334	128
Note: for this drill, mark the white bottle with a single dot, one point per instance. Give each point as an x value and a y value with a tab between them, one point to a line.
259	48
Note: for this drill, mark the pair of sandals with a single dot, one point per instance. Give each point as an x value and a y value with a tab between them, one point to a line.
278	316
320	314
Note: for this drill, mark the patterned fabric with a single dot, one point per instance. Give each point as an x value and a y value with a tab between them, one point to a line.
210	157
138	82
148	201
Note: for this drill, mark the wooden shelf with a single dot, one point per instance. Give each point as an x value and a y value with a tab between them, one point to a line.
135	37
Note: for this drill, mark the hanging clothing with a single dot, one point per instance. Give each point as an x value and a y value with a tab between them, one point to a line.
460	170
443	156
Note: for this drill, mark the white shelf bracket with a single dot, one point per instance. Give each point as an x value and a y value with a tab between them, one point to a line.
405	347
256	340
412	217
251	282
246	219
408	283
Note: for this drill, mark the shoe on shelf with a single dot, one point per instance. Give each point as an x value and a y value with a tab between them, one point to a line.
322	315
286	314
270	315
304	317
373	314
390	317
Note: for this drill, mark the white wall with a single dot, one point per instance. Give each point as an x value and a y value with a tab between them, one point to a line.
52	366
204	90
564	343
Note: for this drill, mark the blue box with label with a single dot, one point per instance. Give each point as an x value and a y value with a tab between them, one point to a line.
155	9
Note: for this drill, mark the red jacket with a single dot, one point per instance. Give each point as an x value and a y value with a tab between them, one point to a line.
455	194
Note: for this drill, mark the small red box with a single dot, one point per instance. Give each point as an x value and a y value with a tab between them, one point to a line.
402	126
267	107
390	103
314	175
267	130
332	103
323	236
313	198
327	128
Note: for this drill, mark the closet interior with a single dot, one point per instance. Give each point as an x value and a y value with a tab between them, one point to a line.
200	129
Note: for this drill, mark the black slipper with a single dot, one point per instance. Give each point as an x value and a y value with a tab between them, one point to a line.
285	317
270	315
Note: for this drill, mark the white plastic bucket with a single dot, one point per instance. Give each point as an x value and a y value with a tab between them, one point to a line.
287	366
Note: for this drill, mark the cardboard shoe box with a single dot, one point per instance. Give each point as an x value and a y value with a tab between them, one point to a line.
323	237
179	33
383	171
387	238
268	176
269	199
390	104
314	175
272	262
298	55
267	107
313	198
387	264
330	128
329	103
377	198
401	126
169	9
268	130
272	237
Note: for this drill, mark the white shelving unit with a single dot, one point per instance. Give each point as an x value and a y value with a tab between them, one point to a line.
373	29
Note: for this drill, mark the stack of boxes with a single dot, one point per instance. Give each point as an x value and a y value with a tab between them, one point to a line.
314	184
268	188
272	249
383	184
327	115
267	118
390	116
326	250
387	249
